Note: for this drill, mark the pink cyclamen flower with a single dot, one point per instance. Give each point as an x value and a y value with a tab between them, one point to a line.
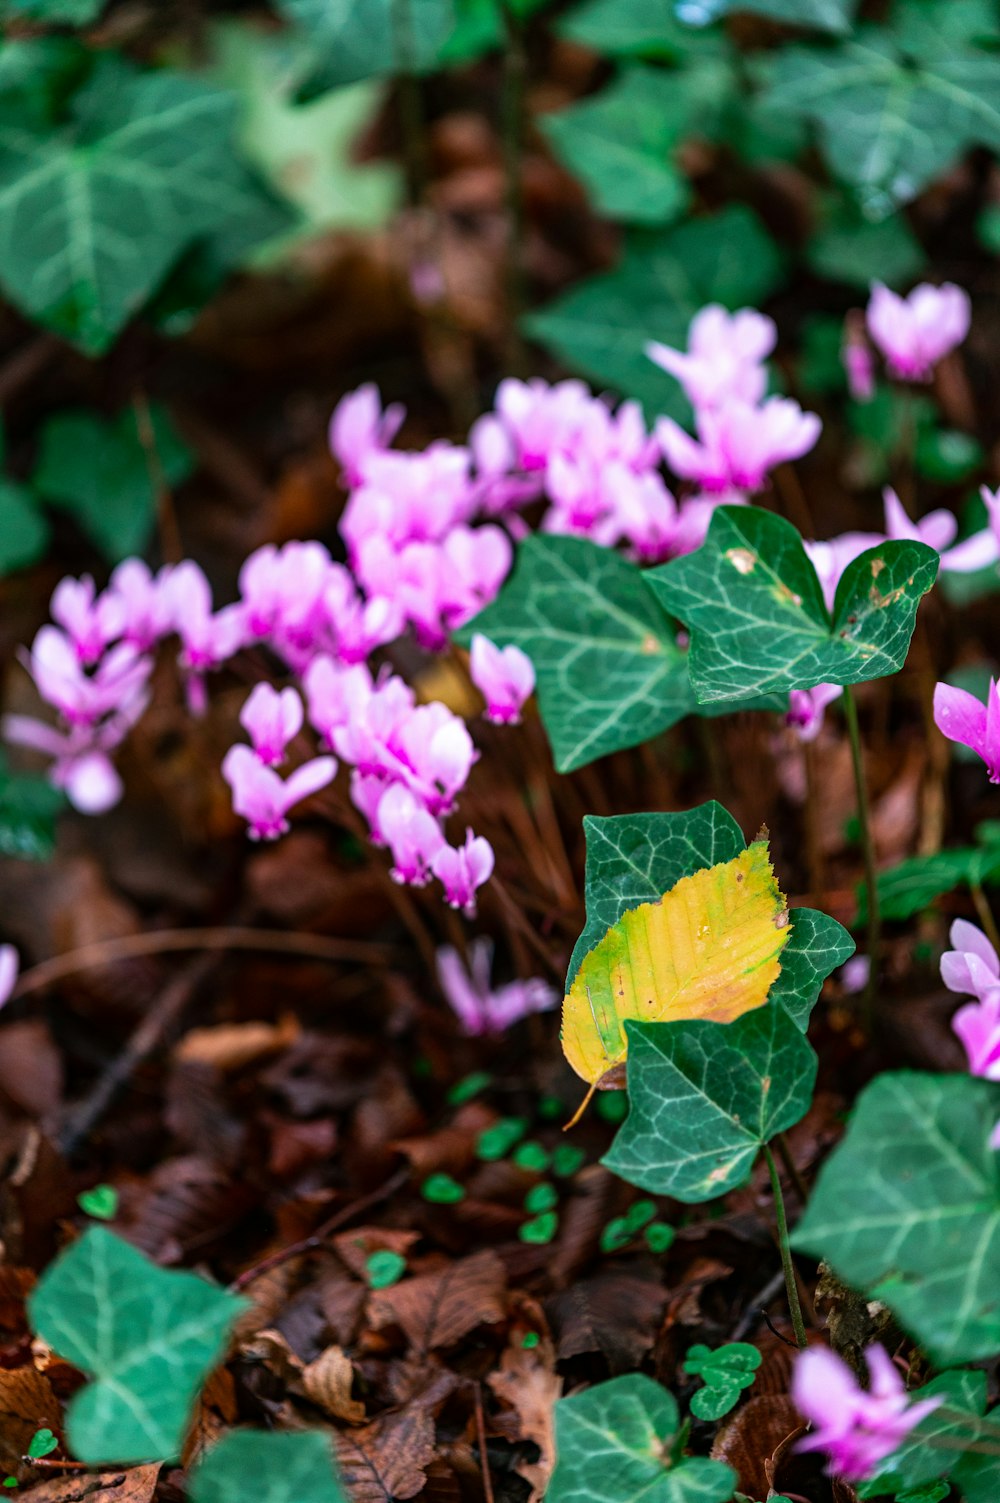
806	709
724	356
262	798
915	332
81	698
9	966
91	621
738	443
937	529
271	720
412	834
961	717
80	764
971	967
504	677
359	428
479	1007
463	869
142	598
857	1428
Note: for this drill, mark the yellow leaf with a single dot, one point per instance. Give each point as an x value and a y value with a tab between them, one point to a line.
708	949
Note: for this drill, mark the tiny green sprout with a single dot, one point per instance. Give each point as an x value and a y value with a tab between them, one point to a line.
612	1106
567	1159
725	1373
384	1268
541	1197
422	1068
497	1141
532	1156
659	1236
442	1190
616	1235
43	1443
101	1202
550	1108
471	1085
530	1340
541	1230
639	1215
10	1482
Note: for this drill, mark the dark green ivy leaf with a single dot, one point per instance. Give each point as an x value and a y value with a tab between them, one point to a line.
907	1209
754	606
148	1338
705	1097
375	40
619	1441
609	672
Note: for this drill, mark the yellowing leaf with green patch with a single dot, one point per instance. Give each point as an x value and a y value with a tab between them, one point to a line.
708	949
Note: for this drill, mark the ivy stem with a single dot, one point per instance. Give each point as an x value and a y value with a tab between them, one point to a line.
867	845
788	1267
985	914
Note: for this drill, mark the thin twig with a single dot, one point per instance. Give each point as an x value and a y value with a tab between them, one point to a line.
985	914
484	1460
161	941
867	846
317	1238
788	1267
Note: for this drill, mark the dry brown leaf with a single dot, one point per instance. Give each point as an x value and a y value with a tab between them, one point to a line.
614	1313
27	1404
232	1046
388	1459
529	1385
136	1485
436	1309
327	1383
356	1247
217	1409
749	1439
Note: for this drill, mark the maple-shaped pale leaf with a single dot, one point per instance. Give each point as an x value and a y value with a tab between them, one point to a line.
708	949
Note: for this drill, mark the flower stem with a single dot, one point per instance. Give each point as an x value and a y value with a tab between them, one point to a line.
788	1267
985	915
512	133
867	845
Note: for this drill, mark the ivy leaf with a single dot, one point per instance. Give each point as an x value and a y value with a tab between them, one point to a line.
24	532
725	1372
846	245
889	123
633	858
148	1338
643	28
753	603
705	1097
619	1441
820	15
283	1466
620	144
98	471
708	948
907	1209
349	42
609	673
58	12
601	326
28	808
95	210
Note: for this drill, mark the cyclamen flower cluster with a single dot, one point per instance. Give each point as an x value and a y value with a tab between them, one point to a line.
962	717
479	1007
856	1427
972	969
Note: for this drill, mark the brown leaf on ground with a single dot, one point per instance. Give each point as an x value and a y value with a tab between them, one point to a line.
436	1309
233	1046
136	1485
613	1313
388	1459
748	1440
452	1149
27	1404
356	1247
38	1189
217	1408
31	1075
184	1204
528	1384
327	1383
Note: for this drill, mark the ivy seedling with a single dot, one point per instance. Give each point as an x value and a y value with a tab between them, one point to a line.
725	1372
